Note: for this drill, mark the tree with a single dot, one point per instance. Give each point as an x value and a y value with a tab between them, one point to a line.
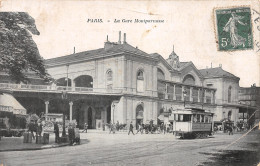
18	52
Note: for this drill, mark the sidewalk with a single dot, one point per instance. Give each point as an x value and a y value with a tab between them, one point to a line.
16	144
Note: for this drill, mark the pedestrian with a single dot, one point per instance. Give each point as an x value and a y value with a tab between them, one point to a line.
71	133
111	127
31	128
117	126
103	125
131	128
139	129
57	133
85	128
164	128
142	129
230	130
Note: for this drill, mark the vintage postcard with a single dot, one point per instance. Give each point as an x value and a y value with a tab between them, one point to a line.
167	83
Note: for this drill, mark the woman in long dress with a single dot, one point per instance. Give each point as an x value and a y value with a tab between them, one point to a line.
236	40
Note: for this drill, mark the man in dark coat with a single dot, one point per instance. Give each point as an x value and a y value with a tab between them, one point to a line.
57	133
131	128
71	134
31	128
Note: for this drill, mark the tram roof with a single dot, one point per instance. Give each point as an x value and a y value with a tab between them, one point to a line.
191	111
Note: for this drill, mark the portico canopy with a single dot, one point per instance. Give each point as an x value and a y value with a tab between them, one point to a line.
10	104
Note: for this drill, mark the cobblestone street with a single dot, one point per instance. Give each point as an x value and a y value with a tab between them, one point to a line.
99	148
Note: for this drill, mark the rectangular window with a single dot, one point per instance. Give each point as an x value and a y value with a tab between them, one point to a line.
202	118
198	117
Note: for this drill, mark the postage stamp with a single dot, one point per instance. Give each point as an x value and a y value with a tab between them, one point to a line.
234	29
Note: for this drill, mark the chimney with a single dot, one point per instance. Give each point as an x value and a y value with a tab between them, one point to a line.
74	50
124	37
220	65
107	38
119	40
211	64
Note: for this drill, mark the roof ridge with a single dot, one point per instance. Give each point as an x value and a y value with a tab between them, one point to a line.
73	54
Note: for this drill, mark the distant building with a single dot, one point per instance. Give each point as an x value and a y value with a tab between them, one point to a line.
249	101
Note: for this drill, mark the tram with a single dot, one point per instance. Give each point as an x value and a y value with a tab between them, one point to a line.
192	123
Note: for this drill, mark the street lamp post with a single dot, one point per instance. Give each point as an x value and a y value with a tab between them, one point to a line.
184	95
64	97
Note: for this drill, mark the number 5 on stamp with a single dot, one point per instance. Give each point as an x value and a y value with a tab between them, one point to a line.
234	29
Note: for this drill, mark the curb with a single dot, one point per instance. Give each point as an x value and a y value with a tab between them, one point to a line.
41	148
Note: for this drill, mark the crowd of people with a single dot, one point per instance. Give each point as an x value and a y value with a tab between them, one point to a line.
140	128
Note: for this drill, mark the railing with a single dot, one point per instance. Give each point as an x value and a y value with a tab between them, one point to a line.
24	87
180	97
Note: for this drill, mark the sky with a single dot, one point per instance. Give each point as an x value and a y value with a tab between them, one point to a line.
188	25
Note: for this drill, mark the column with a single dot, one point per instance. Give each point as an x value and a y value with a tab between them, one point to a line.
205	100
72	84
198	95
124	110
155	94
124	74
191	99
174	92
46	107
212	97
166	91
71	103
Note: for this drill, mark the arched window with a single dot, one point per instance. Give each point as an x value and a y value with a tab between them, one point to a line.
160	74
140	81
140	75
229	94
189	79
109	76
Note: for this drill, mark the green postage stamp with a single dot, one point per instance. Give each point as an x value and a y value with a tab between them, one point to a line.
234	29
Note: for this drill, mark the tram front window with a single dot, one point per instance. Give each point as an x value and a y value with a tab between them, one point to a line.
186	118
180	117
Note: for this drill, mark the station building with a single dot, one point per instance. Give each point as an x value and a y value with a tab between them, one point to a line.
151	87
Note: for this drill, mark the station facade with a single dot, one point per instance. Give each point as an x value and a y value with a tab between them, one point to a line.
150	87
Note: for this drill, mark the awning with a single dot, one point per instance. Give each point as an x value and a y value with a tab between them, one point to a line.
10	104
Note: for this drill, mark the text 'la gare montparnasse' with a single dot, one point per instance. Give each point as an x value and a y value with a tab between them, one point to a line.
145	21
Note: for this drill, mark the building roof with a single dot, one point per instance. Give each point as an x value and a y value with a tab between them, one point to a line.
112	48
216	72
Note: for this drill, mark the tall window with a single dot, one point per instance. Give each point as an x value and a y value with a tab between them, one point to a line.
109	75
140	81
229	94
